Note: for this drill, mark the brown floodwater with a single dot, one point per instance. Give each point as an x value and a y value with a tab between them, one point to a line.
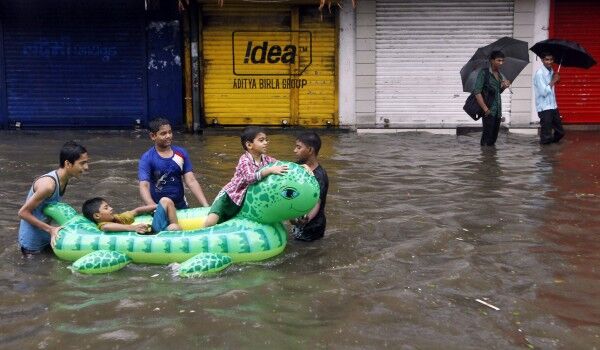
420	226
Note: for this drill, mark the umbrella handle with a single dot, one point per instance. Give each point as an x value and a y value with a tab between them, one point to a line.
559	65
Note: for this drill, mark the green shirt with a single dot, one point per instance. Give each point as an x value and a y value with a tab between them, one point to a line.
494	85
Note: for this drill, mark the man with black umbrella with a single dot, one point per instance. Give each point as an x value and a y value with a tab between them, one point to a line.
545	101
489	85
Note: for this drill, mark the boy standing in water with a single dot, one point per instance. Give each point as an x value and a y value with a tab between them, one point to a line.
35	233
164	168
229	200
311	226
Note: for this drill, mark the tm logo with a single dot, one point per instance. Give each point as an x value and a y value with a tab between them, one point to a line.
271	53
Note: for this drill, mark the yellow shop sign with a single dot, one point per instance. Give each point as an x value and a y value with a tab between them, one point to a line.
279	54
268	65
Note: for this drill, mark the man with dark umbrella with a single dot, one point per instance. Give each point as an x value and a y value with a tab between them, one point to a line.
545	101
488	97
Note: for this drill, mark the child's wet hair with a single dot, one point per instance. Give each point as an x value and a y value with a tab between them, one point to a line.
70	151
156	123
91	207
310	139
249	134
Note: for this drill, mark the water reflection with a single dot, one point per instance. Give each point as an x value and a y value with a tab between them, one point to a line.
575	189
419	226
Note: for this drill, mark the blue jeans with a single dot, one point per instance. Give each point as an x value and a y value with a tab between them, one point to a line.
160	220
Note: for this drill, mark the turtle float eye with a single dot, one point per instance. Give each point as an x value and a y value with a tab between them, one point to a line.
289	193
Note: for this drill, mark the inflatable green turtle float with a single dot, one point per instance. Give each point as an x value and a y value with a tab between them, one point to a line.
255	233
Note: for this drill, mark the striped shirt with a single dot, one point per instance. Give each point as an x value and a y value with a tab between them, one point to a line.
246	173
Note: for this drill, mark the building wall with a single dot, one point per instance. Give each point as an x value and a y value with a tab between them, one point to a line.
346	69
530	24
365	64
541	26
521	88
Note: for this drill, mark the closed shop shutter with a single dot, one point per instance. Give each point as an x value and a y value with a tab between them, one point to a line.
421	47
73	63
318	99
578	93
268	65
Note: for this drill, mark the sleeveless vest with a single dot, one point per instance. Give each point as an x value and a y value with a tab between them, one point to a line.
31	237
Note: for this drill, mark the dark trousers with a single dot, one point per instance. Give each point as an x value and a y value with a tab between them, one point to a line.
491	127
552	129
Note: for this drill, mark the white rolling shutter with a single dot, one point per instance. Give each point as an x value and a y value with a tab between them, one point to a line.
421	47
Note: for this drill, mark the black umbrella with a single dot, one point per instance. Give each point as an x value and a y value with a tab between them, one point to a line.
567	53
517	57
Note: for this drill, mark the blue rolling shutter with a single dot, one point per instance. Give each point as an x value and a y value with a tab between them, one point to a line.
76	64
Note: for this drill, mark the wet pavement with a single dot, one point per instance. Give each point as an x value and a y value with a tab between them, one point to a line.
420	226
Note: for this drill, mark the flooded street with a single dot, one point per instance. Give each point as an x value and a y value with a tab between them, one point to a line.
419	227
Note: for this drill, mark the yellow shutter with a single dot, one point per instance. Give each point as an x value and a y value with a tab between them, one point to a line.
259	66
318	103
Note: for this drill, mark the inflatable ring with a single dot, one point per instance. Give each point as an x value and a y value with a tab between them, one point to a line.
255	233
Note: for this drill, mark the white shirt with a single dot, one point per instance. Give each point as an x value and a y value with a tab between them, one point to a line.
545	98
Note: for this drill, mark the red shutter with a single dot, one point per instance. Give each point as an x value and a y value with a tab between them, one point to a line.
578	94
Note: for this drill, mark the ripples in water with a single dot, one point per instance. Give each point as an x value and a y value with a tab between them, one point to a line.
419	227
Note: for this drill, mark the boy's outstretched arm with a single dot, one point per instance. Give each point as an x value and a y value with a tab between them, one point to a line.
114	227
144	209
276	169
194	186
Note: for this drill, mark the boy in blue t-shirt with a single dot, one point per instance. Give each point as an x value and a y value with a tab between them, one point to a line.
164	168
